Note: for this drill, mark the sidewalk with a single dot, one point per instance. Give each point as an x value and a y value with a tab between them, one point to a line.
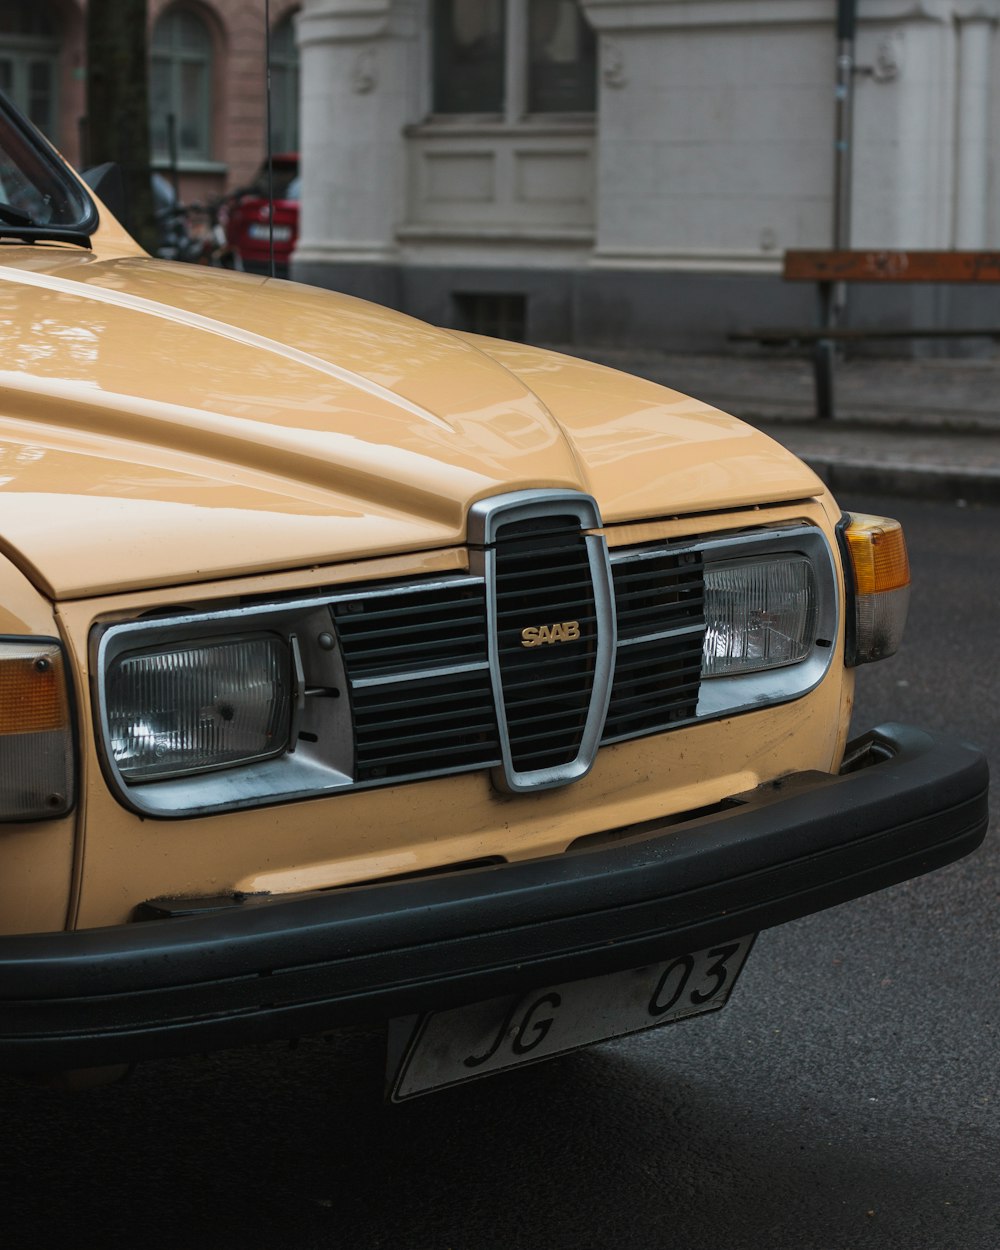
925	428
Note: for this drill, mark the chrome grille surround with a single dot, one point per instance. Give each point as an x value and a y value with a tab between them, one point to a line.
523	525
425	676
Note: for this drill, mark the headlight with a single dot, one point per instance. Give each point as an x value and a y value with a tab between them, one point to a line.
771	619
36	738
758	615
199	707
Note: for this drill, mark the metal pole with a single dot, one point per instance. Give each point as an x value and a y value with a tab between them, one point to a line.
833	296
270	154
172	156
843	101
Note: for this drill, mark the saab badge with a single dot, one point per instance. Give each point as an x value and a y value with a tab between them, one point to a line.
538	635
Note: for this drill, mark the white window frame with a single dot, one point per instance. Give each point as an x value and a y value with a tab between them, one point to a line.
176	57
286	88
515	86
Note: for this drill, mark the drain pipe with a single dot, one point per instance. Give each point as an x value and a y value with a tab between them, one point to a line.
833	295
847	20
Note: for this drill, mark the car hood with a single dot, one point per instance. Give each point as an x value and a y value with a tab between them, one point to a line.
163	424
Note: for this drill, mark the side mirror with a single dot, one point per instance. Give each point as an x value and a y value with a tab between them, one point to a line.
107	182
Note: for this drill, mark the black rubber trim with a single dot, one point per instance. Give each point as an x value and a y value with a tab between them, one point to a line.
77	232
850	595
259	970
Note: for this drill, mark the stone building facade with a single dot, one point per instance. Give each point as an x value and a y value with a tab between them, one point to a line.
444	174
593	171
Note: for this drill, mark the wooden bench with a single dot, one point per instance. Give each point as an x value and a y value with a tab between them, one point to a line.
827	269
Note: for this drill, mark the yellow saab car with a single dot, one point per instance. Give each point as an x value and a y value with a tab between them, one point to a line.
353	670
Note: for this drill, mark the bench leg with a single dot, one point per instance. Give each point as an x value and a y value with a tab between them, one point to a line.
823	358
823	354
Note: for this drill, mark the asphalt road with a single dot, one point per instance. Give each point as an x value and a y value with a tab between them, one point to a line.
847	1097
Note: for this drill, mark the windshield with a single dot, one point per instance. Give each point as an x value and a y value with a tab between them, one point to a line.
38	196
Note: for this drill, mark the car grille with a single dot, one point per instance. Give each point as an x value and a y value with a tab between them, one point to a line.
549	647
417	657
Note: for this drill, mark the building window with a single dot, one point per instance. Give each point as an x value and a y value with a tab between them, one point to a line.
29	61
180	87
469	56
513	57
284	87
562	58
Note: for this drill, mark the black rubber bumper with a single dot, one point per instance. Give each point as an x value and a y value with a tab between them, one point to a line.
258	970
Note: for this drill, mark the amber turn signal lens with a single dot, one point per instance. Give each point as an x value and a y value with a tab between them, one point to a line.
32	689
879	575
37	756
877	550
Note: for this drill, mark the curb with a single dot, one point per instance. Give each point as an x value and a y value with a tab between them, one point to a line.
948	483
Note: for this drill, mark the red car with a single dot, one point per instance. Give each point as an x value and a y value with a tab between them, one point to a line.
246	217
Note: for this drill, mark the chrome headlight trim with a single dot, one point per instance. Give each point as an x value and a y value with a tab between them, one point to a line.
297	773
720	696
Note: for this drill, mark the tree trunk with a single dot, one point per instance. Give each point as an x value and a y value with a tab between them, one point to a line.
118	104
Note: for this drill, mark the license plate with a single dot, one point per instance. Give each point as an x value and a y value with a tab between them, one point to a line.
448	1047
281	233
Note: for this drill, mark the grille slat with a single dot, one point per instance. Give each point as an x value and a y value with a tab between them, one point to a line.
524	579
465	716
468	649
385	608
510	635
636	658
551	721
633	617
410	739
460	755
655	581
436	701
414	632
639	695
556	683
640	671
